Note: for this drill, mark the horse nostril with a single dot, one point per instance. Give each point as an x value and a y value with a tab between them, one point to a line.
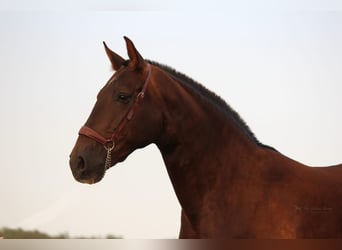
81	166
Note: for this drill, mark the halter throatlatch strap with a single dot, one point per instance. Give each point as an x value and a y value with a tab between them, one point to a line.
109	143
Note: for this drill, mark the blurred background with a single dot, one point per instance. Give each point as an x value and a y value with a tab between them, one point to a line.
278	64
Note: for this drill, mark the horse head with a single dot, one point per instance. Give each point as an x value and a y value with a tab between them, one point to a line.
123	119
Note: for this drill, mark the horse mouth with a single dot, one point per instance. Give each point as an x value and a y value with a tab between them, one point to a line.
90	181
89	178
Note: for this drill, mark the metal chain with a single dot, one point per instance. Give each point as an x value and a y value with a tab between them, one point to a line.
108	161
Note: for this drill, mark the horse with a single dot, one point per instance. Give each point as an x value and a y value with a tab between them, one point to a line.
227	182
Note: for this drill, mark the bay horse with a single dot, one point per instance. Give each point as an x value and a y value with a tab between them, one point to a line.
228	184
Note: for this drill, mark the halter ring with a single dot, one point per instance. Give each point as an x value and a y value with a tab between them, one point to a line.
109	148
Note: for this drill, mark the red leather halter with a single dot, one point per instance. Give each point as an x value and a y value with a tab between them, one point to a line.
109	143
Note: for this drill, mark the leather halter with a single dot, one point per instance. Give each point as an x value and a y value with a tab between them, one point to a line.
109	143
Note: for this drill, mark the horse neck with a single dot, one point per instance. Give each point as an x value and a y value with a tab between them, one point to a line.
199	143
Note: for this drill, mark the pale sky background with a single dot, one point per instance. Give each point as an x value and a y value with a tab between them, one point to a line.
278	63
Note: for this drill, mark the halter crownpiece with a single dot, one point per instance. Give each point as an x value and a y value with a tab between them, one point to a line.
109	143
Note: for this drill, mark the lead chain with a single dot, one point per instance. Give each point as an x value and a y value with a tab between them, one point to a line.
108	159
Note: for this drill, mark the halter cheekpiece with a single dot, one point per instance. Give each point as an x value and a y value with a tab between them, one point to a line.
109	143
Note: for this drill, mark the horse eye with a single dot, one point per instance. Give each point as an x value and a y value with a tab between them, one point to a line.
124	98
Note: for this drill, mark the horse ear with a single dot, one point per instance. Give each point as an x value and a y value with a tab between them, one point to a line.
114	58
136	60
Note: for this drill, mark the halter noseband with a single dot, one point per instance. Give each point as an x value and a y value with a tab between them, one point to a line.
109	143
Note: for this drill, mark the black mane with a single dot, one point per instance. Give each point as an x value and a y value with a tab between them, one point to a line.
214	99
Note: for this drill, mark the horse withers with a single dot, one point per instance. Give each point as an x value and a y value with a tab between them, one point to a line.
229	185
